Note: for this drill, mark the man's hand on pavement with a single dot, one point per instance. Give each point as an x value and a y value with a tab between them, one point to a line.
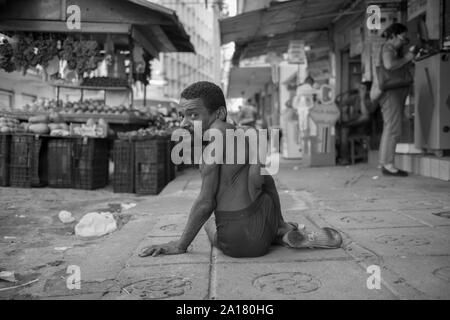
166	248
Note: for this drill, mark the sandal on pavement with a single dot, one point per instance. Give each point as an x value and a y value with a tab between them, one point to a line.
326	238
399	173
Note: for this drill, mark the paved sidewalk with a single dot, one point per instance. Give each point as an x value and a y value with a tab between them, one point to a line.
386	222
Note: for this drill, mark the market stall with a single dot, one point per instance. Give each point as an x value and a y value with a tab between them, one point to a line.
91	65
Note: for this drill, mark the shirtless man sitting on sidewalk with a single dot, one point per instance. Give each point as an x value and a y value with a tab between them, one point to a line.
245	204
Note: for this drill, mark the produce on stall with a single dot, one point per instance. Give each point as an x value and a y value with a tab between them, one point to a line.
9	125
102	58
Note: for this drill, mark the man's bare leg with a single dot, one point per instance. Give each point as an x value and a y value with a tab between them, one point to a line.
289	234
211	230
283	227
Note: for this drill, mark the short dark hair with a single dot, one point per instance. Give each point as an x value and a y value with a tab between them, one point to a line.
368	84
309	79
394	30
211	94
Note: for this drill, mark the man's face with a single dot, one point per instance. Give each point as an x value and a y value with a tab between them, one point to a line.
401	40
194	110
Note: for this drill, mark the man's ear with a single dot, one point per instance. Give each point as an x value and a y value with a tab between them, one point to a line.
221	113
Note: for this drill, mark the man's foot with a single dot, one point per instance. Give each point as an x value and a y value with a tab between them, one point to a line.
393	172
326	238
285	227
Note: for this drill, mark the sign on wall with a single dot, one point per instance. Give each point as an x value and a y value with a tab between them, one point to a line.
416	8
356	41
296	52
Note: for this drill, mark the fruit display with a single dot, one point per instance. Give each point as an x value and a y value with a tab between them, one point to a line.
159	126
93	107
93	129
142	133
41	105
47	124
38	128
10	125
104	82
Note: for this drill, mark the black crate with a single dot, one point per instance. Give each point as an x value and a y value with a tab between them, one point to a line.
60	158
123	157
90	163
150	166
28	167
5	147
170	167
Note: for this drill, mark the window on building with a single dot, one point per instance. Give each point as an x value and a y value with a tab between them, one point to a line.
28	98
6	100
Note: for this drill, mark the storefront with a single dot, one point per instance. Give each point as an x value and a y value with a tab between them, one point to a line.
269	31
254	84
344	52
66	89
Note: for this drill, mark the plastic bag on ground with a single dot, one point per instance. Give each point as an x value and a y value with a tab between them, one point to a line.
66	217
96	224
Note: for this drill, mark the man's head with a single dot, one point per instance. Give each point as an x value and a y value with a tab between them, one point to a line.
309	80
396	33
202	101
365	87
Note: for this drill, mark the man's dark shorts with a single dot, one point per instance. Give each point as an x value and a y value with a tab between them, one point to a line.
248	232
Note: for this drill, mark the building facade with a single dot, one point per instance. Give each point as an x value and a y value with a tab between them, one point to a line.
177	70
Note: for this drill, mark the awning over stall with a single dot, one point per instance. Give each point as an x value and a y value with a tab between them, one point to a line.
270	29
245	82
157	28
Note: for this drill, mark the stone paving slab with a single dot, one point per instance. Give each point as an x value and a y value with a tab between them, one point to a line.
168	225
427	216
430	275
394	242
111	254
368	219
381	204
172	281
55	285
283	254
299	281
87	296
200	252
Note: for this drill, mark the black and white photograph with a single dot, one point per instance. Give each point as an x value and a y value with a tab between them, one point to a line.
217	158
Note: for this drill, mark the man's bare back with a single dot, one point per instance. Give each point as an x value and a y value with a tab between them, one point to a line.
239	184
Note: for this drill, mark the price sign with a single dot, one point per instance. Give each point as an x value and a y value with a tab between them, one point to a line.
296	52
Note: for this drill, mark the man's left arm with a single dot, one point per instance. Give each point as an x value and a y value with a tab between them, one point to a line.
201	210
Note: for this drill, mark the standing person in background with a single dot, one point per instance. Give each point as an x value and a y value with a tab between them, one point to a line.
247	115
395	87
355	120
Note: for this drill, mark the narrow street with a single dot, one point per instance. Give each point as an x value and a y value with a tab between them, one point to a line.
400	225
